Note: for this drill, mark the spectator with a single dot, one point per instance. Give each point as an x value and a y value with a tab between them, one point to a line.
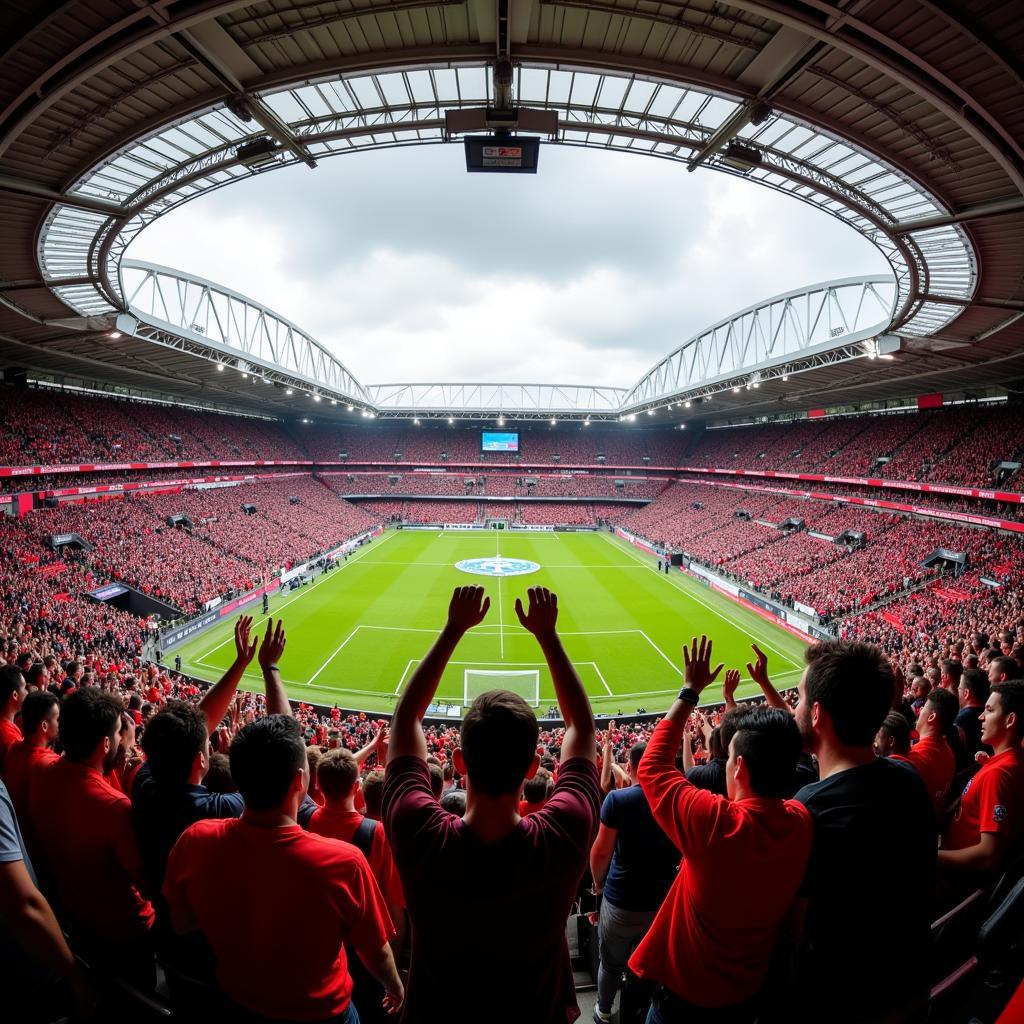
893	736
373	795
711	943
272	960
33	951
989	824
536	792
87	840
12	692
168	794
339	819
633	864
510	880
40	714
973	693
711	776
931	755
869	813
951	672
1002	669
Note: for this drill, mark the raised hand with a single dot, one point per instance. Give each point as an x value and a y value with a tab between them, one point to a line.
542	614
732	681
244	651
758	671
467	608
273	644
697	672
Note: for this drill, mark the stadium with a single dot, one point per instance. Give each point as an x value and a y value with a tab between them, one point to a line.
331	700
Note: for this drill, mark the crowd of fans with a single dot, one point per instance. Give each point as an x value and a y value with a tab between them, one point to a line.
165	795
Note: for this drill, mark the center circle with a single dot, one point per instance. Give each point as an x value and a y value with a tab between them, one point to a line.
497	566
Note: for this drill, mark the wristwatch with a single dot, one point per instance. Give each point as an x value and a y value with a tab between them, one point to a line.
690	695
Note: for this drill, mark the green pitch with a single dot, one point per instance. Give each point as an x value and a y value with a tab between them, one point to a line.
356	634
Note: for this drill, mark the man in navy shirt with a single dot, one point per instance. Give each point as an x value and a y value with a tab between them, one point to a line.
635	862
973	693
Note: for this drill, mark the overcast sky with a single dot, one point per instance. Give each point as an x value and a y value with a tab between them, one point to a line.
410	269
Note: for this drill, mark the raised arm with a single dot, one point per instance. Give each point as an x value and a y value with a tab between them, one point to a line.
758	671
378	745
270	652
606	760
580	738
217	700
467	609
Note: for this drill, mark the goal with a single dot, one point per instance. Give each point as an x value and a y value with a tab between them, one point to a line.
526	683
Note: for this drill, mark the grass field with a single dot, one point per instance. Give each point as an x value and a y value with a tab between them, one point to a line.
356	634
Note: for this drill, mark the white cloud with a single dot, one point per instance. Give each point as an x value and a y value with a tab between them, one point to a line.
409	269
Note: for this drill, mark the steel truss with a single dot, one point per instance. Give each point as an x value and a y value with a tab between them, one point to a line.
789	333
190	314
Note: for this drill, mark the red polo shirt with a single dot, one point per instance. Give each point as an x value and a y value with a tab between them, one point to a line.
992	801
933	759
712	939
342	825
90	850
280	946
9	735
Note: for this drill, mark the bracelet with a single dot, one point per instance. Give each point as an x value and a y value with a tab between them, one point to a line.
271	668
690	695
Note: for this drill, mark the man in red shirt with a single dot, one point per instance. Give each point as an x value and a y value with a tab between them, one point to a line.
12	693
87	839
280	951
711	942
339	819
932	755
40	714
989	824
507	881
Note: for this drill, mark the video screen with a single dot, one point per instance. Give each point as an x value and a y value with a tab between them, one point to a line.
495	441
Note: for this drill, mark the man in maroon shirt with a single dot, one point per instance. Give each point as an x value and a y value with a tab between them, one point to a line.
497	885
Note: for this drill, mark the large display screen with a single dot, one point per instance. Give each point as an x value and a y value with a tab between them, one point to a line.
503	441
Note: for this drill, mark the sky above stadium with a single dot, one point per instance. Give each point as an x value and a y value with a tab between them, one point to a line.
409	269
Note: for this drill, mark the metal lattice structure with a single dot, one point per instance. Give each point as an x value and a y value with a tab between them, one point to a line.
188	313
820	325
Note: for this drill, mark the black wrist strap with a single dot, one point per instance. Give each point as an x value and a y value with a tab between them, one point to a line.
691	696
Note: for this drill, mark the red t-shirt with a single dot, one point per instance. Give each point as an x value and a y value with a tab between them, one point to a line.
510	898
933	758
90	850
9	735
280	947
992	801
342	825
22	760
525	807
712	939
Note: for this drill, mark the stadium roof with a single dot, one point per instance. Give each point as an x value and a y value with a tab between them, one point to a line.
905	119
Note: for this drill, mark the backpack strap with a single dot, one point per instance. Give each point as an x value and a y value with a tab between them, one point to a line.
362	838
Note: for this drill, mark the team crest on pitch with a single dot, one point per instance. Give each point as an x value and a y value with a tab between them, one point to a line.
497	566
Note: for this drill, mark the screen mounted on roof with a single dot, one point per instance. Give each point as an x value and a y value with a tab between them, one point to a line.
504	441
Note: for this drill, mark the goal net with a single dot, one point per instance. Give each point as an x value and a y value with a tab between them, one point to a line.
526	683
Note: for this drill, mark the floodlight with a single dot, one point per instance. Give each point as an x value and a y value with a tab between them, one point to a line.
220	367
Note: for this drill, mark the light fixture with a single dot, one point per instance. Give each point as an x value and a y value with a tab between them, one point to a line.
785	377
451	419
553	421
501	421
245	376
371	415
220	366
736	390
650	412
682	426
114	334
687	403
755	384
289	391
334	401
351	407
316	398
631	417
586	422
416	422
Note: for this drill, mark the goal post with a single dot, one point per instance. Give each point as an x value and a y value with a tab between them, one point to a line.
524	682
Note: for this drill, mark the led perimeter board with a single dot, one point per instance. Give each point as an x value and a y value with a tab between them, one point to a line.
499	441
